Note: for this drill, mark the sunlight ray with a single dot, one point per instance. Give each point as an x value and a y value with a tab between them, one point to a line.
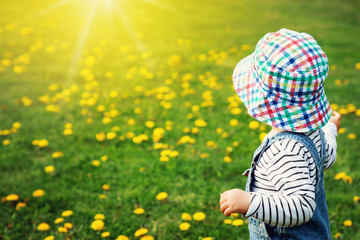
52	7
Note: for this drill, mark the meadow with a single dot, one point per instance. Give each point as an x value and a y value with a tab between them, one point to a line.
119	120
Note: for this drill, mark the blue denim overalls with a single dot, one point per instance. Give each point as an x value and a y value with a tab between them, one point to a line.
318	227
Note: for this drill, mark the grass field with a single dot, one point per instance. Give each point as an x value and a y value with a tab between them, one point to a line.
120	115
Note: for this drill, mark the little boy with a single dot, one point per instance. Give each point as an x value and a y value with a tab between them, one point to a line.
282	85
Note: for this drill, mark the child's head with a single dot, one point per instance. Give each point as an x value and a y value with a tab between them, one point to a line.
282	82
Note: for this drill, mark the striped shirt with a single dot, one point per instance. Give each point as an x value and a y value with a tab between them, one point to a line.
283	189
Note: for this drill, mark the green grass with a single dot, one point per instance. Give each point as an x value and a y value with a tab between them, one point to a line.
193	183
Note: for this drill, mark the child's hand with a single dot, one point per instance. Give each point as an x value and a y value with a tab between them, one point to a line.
336	119
234	201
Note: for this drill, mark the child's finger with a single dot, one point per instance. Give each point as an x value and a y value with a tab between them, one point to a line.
228	212
224	206
222	200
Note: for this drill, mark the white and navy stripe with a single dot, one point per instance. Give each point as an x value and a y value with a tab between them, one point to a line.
283	188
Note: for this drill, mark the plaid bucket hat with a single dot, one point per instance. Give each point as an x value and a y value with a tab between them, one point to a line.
282	82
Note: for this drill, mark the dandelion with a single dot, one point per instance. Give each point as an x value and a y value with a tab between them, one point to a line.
43	227
68	131
186	217
356	198
200	123
348	223
105	234
236	143
262	136
340	175
106	187
96	163
351	136
139	211
38	193
162	196
49	169
99	216
227	159
104	158
184	226
204	155
141	232
102	196
164	159
111	135
199	216
6	142
147	237
238	222
67	213
68	225
59	220
337	235
149	124
51	237
62	229
106	120
101	108
43	143
207	238
234	122
131	122
57	154
122	237
228	221
97	225
254	125
236	111
100	136
20	205
16	125
113	94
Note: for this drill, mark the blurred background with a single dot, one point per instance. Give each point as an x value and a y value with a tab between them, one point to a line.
126	109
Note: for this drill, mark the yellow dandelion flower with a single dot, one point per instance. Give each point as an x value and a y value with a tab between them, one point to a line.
149	124
113	94
234	122
68	225
337	235
234	215
38	193
199	216
195	130
122	237
57	154
342	130
228	221
204	155
97	225
106	187
348	223
131	122
229	149
351	136
106	120
49	169
43	227
186	130
111	135
262	136
219	130
51	237
140	232
102	196
164	158
59	220
68	125
100	136
254	125
236	111
20	205
174	154
186	217
357	65
162	196
235	144
227	159
16	125
104	158
348	179
184	226
105	234
101	108
96	163
43	143
356	198
62	229
200	123
237	222
67	213
207	238
139	211
340	175
225	135
99	216
147	237
6	142
68	131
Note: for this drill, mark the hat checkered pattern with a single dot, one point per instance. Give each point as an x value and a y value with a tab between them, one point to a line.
282	82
